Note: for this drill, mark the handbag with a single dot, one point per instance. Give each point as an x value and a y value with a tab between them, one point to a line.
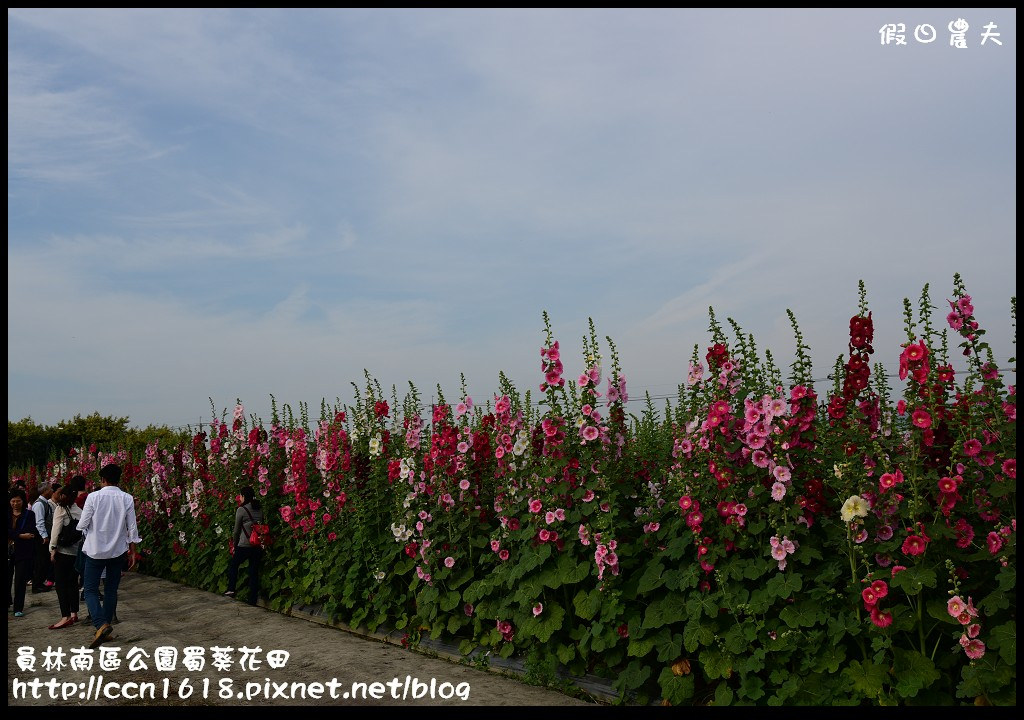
259	537
69	534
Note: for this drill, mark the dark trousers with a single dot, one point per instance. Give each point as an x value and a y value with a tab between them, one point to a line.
42	570
66	579
18	574
241	555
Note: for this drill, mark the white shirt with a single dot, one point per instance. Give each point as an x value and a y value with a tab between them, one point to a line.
108	521
61	517
39	510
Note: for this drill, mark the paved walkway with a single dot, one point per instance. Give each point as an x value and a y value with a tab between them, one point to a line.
324	666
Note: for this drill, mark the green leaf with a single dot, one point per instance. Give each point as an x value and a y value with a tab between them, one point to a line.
696	634
913	672
668	609
587	604
716	664
668	645
866	677
565	653
735	640
830	658
1004	639
676	689
752	687
639	647
723	695
937	610
450	600
803	614
550	621
912	580
783	585
635	674
506	650
651	579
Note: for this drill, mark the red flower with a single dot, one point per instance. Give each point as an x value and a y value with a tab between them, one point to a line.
914	545
921	418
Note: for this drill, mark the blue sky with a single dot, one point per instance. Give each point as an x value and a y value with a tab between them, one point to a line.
237	203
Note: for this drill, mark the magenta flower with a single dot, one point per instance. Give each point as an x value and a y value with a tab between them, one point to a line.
995	543
921	419
914	545
974	648
536	506
503	555
972	447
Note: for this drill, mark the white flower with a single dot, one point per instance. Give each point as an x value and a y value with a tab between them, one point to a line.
855	506
219	529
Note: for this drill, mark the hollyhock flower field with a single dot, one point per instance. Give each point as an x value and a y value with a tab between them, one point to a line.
764	539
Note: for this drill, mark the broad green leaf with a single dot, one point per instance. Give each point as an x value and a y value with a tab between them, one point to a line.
635	674
696	634
651	579
752	687
866	677
913	672
676	689
1004	638
723	695
640	647
565	653
668	609
716	664
913	579
668	645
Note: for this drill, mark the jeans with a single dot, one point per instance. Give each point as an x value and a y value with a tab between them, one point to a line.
94	567
253	555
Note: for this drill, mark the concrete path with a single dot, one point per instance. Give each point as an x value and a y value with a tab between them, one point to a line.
320	666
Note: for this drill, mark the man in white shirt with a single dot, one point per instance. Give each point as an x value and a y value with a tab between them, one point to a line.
42	568
111	532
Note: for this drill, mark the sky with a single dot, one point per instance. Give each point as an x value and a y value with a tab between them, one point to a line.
211	205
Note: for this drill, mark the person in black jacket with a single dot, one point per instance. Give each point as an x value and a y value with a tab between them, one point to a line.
249	512
22	538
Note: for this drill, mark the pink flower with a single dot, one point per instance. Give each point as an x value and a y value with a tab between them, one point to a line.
503	555
685	502
955	606
536	506
972	447
973	630
781	473
921	419
538	609
778	491
881	619
914	545
974	648
884	533
332	536
759	458
1010	468
901	407
588	496
468	609
995	543
886	482
495	546
870	596
549	517
544	535
449	561
880	588
464	484
589	432
559	514
898	568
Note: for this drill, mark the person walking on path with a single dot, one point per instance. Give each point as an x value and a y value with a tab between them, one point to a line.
42	568
63	556
21	549
111	533
246	515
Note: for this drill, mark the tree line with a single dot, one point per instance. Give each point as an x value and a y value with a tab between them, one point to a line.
30	444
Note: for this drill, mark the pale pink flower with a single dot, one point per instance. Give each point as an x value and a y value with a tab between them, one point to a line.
544	535
560	514
495	546
549	517
462	447
464	484
955	606
778	491
759	458
589	432
536	506
538	609
781	473
974	648
449	562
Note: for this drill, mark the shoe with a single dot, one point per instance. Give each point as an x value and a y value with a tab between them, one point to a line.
48	583
61	625
102	634
19	613
229	593
74	618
